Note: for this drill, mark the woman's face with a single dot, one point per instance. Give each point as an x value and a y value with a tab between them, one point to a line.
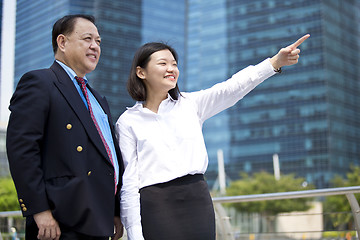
161	73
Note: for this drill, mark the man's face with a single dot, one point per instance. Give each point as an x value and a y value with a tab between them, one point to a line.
82	47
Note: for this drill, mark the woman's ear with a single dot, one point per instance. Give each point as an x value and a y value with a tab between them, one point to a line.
140	72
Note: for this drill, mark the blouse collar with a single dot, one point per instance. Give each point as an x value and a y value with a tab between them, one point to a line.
139	104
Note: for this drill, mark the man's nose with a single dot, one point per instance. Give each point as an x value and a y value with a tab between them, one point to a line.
94	44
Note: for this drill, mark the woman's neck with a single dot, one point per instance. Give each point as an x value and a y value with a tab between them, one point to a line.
153	102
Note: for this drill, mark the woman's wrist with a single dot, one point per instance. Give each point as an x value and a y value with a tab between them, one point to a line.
275	64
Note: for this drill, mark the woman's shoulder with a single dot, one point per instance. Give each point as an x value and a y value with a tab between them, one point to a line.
130	112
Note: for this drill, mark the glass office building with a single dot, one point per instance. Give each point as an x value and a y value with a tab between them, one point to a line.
119	24
164	22
123	25
308	115
207	64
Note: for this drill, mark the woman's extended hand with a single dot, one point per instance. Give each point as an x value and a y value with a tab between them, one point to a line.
288	55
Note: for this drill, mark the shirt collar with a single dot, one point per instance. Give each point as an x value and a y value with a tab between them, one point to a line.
70	72
139	104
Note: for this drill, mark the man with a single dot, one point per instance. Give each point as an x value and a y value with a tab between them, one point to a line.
60	143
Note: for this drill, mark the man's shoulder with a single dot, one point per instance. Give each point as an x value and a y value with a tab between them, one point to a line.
41	75
38	72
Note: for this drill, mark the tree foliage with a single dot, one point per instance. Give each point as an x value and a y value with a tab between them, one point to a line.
8	196
338	205
264	182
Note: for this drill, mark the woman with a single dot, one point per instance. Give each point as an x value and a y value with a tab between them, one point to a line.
164	195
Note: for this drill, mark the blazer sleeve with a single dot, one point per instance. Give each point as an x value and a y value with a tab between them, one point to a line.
29	108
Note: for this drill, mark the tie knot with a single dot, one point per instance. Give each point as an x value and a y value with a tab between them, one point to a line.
80	80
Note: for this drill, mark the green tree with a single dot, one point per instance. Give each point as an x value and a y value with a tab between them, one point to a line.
338	205
264	182
8	196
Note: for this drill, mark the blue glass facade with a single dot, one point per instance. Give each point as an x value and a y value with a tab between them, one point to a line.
308	114
119	23
34	22
123	25
165	22
207	63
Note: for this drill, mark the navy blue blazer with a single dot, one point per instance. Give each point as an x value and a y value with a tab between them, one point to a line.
56	156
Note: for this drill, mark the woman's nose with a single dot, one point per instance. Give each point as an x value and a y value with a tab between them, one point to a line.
171	68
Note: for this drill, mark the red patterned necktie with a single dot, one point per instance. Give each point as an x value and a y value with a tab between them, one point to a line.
84	90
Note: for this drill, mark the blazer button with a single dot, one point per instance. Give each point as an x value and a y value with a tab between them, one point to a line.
20	200
69	126
22	205
24	209
79	148
89	173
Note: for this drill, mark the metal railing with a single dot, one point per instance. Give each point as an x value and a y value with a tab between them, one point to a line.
347	191
10	214
225	226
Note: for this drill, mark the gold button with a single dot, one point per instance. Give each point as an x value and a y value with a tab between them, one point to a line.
22	205
20	200
79	148
89	172
24	209
69	126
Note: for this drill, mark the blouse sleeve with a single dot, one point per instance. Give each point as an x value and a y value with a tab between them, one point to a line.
225	94
129	193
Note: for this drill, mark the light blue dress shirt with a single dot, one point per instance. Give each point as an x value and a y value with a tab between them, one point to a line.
100	115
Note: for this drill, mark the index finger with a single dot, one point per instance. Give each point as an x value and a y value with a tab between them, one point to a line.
300	41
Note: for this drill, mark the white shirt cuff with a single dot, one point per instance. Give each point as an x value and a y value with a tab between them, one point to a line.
134	233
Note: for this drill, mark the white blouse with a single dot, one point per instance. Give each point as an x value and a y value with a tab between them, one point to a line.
159	147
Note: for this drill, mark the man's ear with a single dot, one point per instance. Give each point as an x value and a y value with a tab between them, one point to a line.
61	42
140	72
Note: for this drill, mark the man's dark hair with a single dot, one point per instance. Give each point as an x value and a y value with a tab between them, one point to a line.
65	25
135	85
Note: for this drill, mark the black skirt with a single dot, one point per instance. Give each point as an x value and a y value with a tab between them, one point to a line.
181	209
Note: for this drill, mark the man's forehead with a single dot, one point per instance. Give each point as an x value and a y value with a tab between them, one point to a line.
84	23
84	28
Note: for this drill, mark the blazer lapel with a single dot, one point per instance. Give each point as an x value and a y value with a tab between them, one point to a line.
68	90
